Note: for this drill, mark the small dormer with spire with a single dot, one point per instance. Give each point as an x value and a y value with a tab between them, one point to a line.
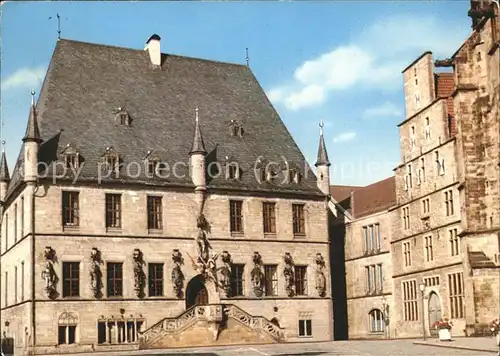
4	174
31	141
323	164
198	153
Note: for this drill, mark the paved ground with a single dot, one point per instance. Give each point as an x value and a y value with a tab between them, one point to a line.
336	348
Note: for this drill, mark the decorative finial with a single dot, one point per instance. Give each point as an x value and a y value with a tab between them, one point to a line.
196	114
321	124
247	58
32	97
3	145
58	27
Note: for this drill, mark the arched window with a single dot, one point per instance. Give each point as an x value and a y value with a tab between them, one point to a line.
67	324
376	319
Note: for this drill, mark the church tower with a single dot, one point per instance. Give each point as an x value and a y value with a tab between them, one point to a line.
323	164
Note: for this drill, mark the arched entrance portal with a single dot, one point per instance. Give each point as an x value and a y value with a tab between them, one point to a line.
196	292
434	312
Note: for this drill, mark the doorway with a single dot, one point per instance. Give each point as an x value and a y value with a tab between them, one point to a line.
196	292
434	312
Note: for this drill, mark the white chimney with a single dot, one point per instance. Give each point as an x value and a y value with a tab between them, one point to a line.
153	47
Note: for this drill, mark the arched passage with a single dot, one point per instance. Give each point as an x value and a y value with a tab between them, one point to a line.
196	292
434	311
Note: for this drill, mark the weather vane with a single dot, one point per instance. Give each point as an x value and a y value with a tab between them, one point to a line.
321	124
58	26
196	114
247	58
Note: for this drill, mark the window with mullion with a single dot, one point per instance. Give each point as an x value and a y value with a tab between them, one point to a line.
271	280
300	280
113	210
236	217
298	219
71	279
269	215
70	209
155	276
115	279
154	213
237	280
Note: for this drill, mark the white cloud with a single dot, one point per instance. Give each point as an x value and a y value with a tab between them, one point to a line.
387	109
24	78
373	59
344	137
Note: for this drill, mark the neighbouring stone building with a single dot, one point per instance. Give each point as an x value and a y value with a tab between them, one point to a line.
159	201
444	211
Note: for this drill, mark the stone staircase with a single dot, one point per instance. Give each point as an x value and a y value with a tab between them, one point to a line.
215	317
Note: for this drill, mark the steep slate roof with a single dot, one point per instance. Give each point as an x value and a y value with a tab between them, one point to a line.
4	169
366	200
87	83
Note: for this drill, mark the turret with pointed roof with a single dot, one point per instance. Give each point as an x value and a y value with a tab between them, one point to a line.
198	153
323	164
4	176
31	142
198	144
32	130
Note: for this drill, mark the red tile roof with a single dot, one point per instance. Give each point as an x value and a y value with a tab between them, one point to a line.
445	85
367	200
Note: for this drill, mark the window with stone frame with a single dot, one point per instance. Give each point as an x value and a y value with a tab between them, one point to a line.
426	206
454	242
236	216
271	280
427	129
15	284
376	321
70	209
373	279
371	238
298	220
301	280
153	165
406	217
15	223
155	279
22	281
237	280
413	141
407	253
22	217
155	212
431	281
269	217
410	300
71	279
421	172
232	171
71	160
67	329
428	248
114	279
439	164
448	202
456	295
6	231
113	211
118	330
6	291
305	328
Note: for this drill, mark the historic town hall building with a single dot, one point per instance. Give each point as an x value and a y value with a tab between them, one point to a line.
159	201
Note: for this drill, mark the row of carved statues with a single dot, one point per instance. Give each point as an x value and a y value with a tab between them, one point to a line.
222	275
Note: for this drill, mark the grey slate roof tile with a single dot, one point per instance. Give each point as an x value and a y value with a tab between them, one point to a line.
86	83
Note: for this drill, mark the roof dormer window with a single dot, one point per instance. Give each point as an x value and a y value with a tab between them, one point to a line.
236	129
71	157
153	165
111	160
123	117
232	171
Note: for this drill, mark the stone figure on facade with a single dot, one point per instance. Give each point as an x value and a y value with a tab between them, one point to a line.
320	275
289	274
177	275
202	243
95	272
49	273
257	275
139	278
225	273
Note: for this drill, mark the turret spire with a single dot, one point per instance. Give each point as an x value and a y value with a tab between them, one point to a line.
32	131
198	144
4	168
322	159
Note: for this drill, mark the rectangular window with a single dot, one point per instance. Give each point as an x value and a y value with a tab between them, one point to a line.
15	223
456	295
237	280
374	279
71	279
119	332
407	253
154	213
454	242
422	169
301	280
155	279
448	201
271	280
431	281
378	243
299	227
409	175
15	285
427	129
426	206
366	243
6	298
115	279
6	231
66	334
22	217
70	208
305	328
113	210
429	253
406	218
269	216
236	216
368	279
410	303
22	281
371	238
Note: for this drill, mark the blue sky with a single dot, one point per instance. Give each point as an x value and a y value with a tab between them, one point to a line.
339	62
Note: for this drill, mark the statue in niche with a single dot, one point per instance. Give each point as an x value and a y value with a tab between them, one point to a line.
95	272
177	275
225	272
257	275
320	276
138	273
49	273
289	274
202	243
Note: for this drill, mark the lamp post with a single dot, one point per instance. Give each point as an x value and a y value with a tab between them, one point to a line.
422	289
385	316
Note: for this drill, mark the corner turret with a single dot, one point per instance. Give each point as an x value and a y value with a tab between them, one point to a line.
31	142
323	164
197	168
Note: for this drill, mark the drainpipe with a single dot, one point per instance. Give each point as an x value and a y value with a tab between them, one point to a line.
34	187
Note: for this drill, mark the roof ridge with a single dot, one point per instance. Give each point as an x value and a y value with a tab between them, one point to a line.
141	50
